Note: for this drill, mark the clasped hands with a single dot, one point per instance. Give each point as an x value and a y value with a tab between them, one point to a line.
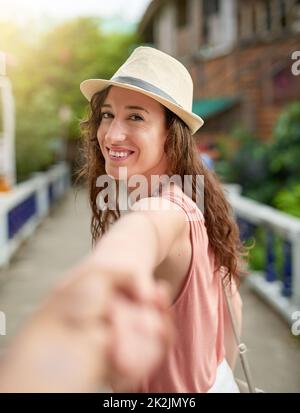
98	327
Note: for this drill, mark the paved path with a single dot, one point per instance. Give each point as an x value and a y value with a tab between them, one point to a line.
63	239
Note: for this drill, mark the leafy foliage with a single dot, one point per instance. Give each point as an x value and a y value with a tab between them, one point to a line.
285	150
245	161
46	70
268	172
288	200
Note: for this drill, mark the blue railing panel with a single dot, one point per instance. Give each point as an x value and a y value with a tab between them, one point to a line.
270	256
247	229
20	214
287	269
51	193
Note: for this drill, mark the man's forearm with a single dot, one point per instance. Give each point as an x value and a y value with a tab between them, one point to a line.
47	357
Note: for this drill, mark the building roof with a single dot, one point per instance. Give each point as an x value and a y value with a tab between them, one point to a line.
208	108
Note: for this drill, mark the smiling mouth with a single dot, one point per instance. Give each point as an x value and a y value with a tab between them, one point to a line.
119	155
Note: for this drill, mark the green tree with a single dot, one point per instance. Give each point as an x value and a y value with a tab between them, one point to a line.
245	162
285	165
268	172
285	149
46	78
77	50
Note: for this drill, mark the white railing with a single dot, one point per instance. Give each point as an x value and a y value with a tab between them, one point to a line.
281	290
23	208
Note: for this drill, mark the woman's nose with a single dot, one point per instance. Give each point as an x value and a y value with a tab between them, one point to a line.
115	133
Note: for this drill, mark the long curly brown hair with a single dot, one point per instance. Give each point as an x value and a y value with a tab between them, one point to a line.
183	159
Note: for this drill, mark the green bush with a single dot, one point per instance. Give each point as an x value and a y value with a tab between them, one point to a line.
288	200
268	172
244	160
285	148
257	255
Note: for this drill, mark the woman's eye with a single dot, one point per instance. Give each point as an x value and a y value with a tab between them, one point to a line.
105	115
136	117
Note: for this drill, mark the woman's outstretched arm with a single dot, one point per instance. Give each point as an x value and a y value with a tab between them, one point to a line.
84	332
85	336
137	243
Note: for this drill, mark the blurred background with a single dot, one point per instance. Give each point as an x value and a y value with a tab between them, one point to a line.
244	58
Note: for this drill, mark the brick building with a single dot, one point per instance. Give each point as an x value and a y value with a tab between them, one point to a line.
239	53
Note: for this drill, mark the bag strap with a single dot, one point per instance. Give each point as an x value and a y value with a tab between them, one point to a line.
241	346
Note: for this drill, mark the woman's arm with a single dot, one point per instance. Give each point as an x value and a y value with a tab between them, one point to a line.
85	331
138	242
82	337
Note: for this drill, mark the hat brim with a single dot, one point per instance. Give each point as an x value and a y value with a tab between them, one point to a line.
91	86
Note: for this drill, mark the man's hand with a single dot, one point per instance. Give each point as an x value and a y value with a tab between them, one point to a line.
137	322
96	328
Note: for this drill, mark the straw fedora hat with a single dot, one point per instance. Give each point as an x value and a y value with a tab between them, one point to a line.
155	74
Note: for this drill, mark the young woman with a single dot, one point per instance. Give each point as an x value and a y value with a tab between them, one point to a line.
140	127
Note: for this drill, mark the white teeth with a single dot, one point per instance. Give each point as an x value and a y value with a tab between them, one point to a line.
119	154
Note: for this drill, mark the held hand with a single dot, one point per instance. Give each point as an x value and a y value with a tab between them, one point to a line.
87	290
138	325
93	329
141	336
48	356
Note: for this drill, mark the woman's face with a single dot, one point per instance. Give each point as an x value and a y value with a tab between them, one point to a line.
132	134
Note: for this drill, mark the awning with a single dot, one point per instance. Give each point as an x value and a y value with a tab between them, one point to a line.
208	108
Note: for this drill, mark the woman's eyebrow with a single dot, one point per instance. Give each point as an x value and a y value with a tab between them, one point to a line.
136	107
107	105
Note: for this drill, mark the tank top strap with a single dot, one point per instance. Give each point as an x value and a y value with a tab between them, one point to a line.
190	208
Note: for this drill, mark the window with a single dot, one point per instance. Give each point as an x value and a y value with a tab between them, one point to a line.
254	19
182	13
205	31
268	15
283	16
211	7
215	6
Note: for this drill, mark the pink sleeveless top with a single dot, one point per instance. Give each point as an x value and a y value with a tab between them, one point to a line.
191	364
